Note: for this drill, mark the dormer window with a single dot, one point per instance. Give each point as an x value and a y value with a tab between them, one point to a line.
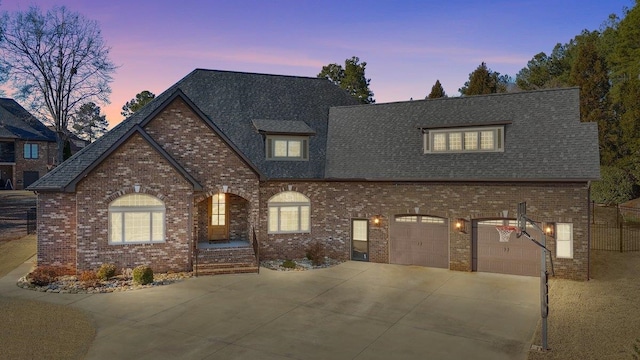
285	139
464	139
282	147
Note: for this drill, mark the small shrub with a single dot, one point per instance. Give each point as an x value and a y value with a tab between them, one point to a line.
106	271
89	278
289	264
44	275
142	275
315	253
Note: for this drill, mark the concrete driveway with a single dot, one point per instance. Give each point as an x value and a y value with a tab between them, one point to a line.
355	310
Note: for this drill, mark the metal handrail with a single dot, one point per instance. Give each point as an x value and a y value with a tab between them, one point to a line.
256	248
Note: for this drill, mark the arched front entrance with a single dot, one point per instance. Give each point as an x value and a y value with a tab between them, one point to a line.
223	218
224	236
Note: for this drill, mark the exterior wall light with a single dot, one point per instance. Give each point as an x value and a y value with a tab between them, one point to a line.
460	226
377	220
549	229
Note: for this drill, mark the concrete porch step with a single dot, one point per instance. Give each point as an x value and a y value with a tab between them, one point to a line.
226	256
227	268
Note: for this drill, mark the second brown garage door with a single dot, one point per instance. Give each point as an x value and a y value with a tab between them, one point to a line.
419	240
517	257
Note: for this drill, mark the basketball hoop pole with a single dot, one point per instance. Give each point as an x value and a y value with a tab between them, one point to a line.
544	279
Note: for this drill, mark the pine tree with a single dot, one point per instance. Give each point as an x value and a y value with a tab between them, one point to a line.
351	78
88	124
135	104
484	81
589	71
437	91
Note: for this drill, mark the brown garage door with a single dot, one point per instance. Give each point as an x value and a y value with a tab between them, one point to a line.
516	257
419	240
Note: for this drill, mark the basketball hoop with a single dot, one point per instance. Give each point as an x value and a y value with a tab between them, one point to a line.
505	232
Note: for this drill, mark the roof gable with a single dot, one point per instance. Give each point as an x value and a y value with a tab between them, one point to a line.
71	187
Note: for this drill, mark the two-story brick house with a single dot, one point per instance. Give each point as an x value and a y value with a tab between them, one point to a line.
27	147
222	161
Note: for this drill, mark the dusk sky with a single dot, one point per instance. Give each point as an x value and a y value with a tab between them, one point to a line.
407	45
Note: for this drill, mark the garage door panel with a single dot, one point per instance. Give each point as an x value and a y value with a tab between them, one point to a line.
517	256
419	243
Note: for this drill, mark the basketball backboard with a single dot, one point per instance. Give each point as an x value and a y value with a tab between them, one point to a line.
522	217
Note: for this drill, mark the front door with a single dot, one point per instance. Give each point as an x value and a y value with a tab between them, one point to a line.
360	239
218	217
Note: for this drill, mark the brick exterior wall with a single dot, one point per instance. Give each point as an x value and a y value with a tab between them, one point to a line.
57	230
46	156
198	149
191	142
134	162
334	204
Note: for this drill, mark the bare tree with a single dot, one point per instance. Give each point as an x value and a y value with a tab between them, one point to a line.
56	61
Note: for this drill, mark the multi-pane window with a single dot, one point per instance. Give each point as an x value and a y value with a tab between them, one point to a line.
422	219
406	218
287	148
455	141
289	212
218	206
564	240
431	220
464	140
136	218
30	151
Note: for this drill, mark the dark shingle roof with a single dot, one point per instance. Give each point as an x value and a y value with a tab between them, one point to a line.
230	101
18	123
282	127
544	139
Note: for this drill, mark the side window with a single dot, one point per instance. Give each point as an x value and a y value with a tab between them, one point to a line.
564	240
289	212
30	151
136	218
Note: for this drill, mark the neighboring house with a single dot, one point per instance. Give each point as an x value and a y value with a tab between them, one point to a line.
223	158
27	147
75	143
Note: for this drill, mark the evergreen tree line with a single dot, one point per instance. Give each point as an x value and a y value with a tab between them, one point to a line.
605	64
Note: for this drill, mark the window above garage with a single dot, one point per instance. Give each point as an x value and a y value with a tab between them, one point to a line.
461	139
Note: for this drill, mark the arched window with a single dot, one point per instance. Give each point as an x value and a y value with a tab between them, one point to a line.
289	212
136	218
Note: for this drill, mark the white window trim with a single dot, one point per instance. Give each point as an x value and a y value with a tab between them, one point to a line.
498	138
270	148
298	205
570	240
122	210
